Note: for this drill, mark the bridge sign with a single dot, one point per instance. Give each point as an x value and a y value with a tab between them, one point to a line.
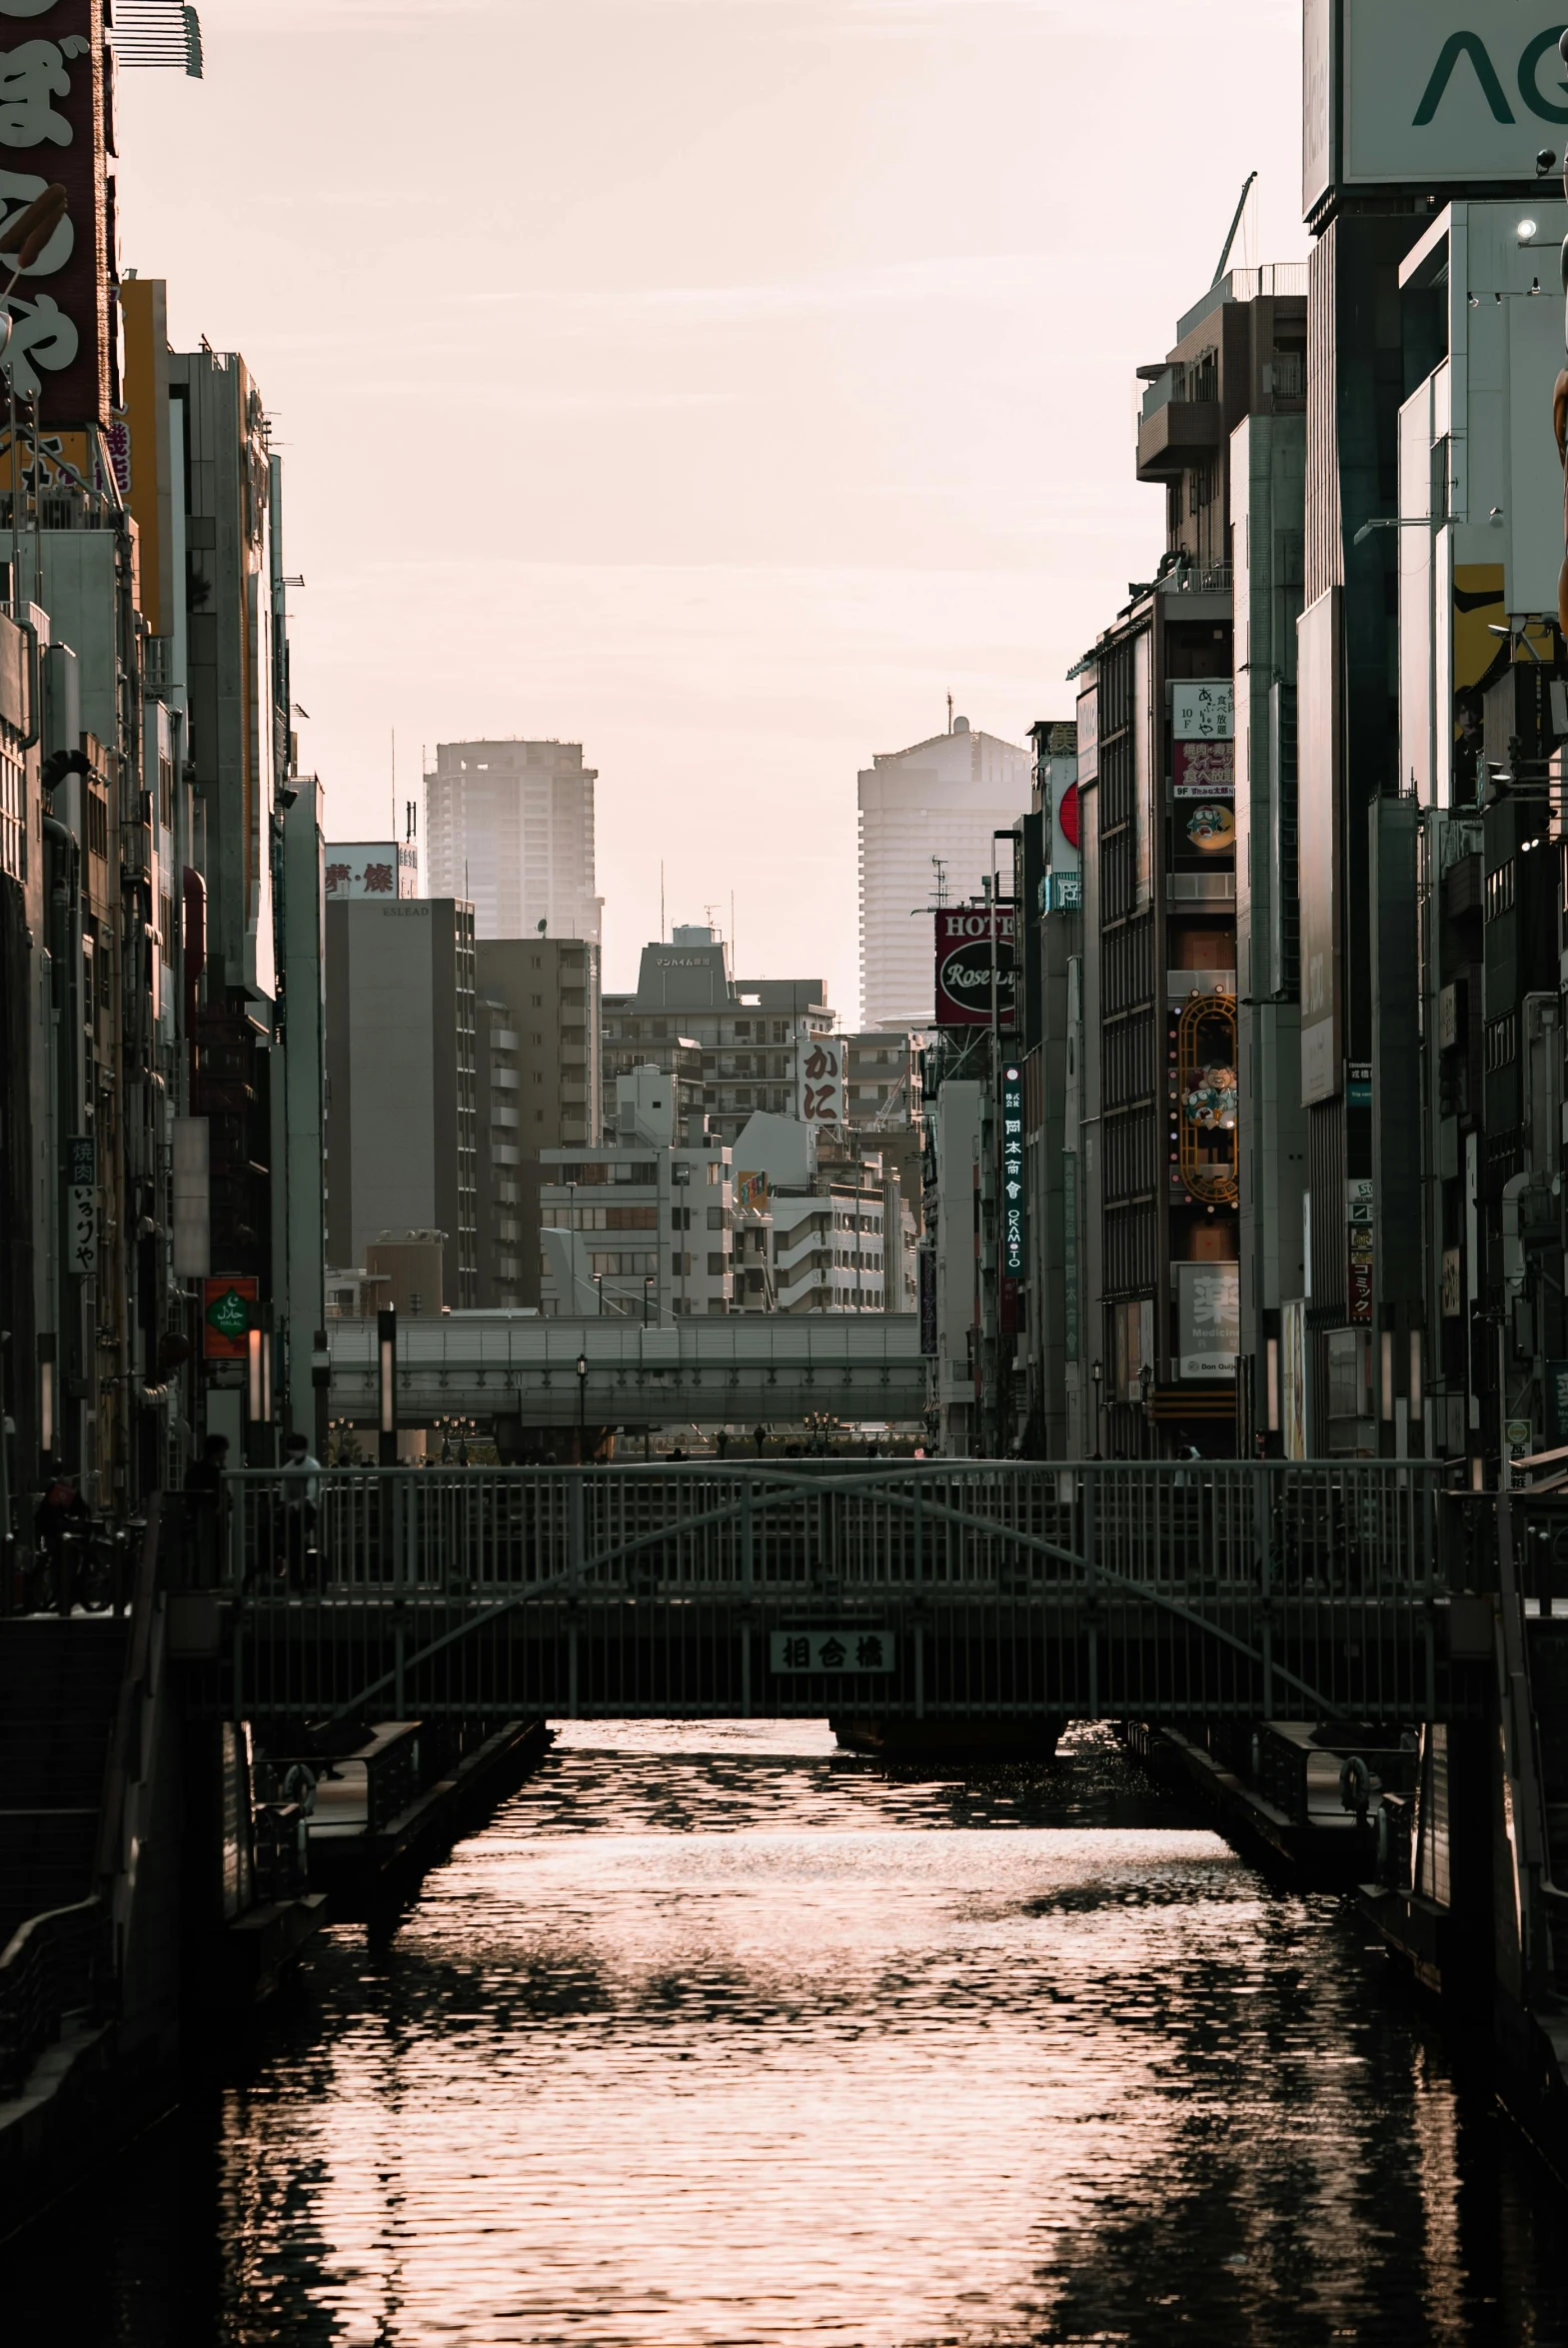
830	1651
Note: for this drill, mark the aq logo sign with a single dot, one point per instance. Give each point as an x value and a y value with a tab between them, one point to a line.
1469	47
1432	91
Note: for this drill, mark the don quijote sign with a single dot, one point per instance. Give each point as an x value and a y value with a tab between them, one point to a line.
970	940
54	126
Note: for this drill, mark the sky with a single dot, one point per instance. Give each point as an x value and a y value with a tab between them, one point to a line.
717	383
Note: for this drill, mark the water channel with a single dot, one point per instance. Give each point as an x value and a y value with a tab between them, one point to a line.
717	2035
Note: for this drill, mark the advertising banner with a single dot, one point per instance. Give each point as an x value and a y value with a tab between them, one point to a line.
964	938
53	96
378	867
1208	1318
1012	1172
228	1315
820	1060
1430	92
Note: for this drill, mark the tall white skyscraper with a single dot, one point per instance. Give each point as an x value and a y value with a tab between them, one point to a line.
510	826
942	798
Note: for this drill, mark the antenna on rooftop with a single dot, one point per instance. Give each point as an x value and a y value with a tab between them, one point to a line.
950	713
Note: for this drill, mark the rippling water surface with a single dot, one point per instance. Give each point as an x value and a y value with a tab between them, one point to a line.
716	2035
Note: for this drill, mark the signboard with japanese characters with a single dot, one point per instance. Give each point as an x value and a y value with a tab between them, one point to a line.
1012	1172
1203	770
819	1062
379	868
53	127
831	1654
1358	1220
1203	709
1208	1318
81	1217
964	990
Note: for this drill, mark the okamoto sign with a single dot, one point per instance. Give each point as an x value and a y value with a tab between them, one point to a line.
1433	93
963	966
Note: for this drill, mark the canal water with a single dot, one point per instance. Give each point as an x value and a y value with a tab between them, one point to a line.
717	2035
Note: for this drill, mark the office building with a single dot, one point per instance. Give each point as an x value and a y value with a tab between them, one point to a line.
732	1045
402	1108
638	1228
538	1088
508	826
926	817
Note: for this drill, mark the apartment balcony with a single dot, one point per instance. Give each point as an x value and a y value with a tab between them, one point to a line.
1177	434
503	1078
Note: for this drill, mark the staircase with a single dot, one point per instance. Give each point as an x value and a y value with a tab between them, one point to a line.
59	1692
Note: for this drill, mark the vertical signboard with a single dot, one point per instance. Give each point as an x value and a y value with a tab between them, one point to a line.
1012	1172
820	1096
1358	1222
81	1237
926	1260
1208	1318
53	127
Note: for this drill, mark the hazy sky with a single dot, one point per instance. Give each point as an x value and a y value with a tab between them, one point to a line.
714	381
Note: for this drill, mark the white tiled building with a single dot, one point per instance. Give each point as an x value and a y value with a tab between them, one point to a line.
942	798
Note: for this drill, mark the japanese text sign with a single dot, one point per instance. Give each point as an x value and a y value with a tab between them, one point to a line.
820	1060
1012	1172
53	126
830	1652
1202	710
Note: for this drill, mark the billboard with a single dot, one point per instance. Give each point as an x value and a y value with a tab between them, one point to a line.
820	1098
375	867
1208	1318
53	98
1427	92
964	956
1317	769
1013	1171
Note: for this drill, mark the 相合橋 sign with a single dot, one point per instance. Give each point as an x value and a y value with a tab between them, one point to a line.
1428	90
965	992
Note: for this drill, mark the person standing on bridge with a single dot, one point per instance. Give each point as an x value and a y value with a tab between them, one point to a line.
759	1437
301	1491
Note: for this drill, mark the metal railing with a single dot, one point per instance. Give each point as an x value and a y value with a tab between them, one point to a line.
51	1968
1106	1589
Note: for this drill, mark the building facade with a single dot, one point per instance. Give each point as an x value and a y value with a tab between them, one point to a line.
508	826
927	816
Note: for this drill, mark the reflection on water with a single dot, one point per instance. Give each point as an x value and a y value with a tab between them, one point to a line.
716	2035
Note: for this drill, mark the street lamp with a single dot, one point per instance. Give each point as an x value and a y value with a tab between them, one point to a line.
1097	1373
581	1404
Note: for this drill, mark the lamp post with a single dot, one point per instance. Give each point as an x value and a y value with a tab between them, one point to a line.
387	1365
1097	1373
582	1405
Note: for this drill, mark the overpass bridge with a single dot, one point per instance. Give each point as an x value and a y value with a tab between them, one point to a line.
739	1370
910	1590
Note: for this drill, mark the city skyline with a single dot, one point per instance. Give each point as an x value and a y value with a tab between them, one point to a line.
743	492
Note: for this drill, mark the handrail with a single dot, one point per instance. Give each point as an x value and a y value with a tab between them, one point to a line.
125	1741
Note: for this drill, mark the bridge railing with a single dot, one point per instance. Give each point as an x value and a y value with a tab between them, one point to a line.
1285	1588
1346	1528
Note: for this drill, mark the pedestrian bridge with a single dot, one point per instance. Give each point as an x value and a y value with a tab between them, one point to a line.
912	1589
738	1369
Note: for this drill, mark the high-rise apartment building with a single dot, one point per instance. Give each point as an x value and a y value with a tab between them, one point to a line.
401	1086
538	1088
936	804
509	827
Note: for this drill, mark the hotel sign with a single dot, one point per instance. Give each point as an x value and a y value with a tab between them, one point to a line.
964	987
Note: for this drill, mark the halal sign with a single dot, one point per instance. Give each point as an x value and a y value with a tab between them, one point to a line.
974	965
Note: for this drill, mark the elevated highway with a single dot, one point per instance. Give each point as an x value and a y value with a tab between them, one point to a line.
740	1369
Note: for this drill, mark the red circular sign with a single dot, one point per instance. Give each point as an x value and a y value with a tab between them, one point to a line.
1068	815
